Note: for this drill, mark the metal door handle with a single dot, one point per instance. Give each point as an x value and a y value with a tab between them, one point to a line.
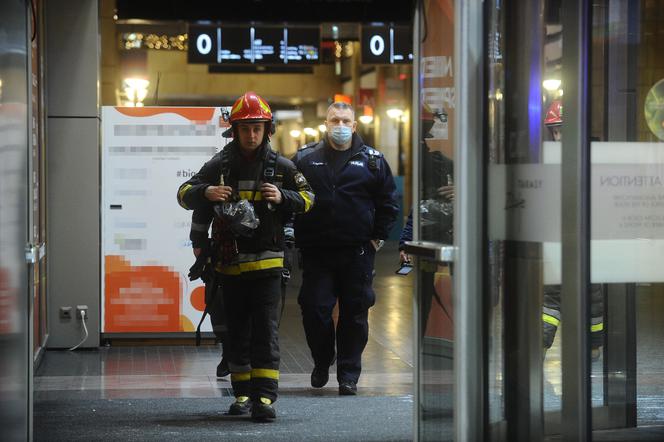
432	250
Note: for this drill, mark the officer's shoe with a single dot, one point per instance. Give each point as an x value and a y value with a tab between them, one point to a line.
347	388
263	411
222	368
242	405
319	377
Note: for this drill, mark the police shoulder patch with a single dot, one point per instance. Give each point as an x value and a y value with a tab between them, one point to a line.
371	151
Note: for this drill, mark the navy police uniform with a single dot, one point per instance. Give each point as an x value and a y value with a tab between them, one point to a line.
355	203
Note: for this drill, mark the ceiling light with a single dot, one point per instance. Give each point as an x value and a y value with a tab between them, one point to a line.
551	84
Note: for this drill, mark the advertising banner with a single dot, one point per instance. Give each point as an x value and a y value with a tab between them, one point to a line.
147	152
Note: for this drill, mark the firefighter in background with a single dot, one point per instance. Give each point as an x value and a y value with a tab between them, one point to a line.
355	209
551	308
214	303
251	189
436	212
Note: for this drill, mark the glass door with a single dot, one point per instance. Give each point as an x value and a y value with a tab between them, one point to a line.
16	360
626	139
446	221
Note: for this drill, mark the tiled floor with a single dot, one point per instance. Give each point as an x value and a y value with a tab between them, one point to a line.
171	392
154	378
188	371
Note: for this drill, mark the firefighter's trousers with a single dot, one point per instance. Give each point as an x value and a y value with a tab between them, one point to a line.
252	311
551	314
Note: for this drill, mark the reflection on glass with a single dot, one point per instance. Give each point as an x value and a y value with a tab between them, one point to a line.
13	223
435	208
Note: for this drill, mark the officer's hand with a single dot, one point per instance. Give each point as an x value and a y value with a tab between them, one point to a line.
197	251
446	192
404	258
218	193
271	193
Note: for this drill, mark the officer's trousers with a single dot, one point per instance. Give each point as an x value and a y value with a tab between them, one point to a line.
343	274
252	309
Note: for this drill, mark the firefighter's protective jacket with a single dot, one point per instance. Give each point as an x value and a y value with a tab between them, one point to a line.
264	251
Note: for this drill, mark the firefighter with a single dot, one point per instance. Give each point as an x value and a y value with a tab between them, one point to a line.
251	189
551	308
202	248
436	214
355	209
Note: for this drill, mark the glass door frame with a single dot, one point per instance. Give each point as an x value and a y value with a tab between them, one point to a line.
470	276
469	384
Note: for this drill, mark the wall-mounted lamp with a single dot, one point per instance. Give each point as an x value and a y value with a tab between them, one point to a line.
394	113
135	89
322	128
365	119
295	133
310	131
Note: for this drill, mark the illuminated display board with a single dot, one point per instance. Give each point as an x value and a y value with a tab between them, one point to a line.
243	44
387	44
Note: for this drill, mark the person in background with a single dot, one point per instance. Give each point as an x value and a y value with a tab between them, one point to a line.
551	308
436	212
202	248
356	207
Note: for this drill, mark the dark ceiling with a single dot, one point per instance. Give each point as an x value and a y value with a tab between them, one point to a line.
292	11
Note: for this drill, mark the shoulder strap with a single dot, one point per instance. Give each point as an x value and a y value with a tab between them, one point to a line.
225	165
307	149
270	166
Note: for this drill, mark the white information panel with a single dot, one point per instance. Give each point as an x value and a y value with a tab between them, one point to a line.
146	252
627	209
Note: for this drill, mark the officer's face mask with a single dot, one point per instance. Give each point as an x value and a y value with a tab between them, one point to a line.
341	134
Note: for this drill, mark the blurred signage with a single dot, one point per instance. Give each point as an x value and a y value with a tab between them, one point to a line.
387	44
247	45
146	251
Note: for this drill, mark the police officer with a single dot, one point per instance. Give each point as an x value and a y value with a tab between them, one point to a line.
355	209
251	189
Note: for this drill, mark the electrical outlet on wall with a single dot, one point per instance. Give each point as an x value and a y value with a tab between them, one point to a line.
65	312
80	309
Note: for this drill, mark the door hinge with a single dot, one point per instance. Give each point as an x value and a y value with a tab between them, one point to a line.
31	252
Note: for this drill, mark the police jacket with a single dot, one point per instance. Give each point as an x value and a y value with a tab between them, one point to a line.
263	252
353	206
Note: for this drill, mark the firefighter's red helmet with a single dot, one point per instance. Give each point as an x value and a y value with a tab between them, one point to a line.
554	116
250	107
